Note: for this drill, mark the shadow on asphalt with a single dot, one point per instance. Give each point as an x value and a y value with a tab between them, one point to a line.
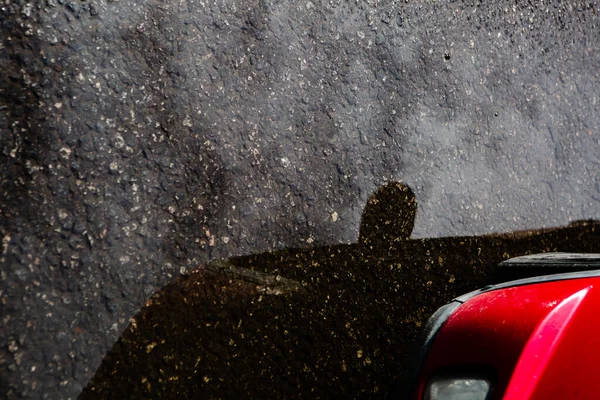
329	322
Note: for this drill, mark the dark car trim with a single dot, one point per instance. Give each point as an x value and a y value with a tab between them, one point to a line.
405	387
534	265
530	281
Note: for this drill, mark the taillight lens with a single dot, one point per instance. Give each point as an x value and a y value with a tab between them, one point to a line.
448	388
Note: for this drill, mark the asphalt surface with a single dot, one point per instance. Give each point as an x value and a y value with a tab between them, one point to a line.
142	139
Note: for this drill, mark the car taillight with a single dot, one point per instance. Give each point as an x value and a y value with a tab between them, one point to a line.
448	388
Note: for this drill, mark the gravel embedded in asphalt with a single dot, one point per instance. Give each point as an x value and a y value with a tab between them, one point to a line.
142	139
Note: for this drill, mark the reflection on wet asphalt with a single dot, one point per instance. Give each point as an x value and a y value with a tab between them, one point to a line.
330	322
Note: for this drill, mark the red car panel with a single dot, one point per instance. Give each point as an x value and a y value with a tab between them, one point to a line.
538	341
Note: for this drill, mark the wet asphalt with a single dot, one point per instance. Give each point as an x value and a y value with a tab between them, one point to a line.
139	140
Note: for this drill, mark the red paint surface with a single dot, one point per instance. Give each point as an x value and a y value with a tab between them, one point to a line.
541	348
490	332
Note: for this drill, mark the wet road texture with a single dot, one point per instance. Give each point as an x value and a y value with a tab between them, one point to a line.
140	141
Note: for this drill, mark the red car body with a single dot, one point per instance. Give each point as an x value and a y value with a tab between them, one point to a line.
530	339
